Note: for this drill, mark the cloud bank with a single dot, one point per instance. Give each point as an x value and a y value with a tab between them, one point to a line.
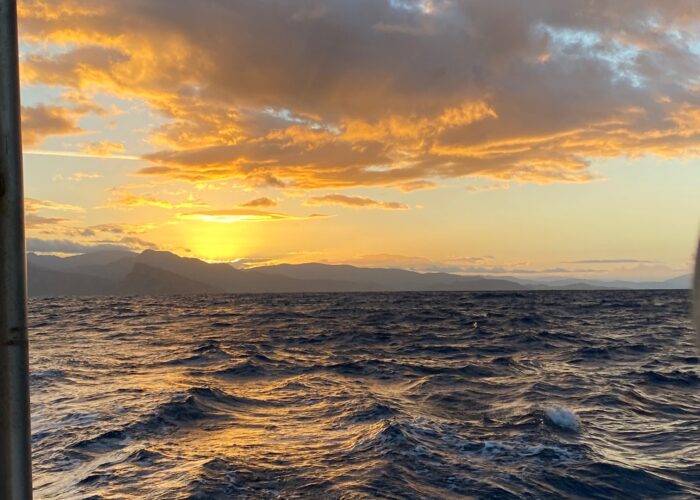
337	94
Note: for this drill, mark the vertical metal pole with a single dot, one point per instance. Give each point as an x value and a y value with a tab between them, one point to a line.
15	435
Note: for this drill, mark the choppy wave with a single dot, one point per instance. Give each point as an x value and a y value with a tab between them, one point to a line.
423	395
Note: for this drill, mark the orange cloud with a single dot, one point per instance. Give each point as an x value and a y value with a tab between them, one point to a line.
41	121
227	216
119	228
102	148
415	185
125	199
33	205
488	187
32	221
263	202
354	202
389	96
67	230
72	246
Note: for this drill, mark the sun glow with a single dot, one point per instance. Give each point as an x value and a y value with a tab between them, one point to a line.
232	216
217	242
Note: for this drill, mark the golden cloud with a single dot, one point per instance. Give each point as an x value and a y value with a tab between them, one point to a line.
41	121
102	148
499	186
39	226
79	246
32	221
120	228
66	231
369	93
33	205
354	202
415	185
263	202
227	216
122	198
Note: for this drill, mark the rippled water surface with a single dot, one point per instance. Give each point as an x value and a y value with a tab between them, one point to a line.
405	395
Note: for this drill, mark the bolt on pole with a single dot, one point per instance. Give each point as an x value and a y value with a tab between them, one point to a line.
15	435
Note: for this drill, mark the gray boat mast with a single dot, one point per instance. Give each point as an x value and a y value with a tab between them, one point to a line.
15	435
696	299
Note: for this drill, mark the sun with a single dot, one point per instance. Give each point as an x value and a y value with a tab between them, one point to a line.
217	242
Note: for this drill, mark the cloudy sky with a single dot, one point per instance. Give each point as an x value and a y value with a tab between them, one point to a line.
526	137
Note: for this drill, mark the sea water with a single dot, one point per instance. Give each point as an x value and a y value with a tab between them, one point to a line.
384	395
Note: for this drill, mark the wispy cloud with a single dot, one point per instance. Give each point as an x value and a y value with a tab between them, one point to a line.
77	176
415	185
263	202
227	216
33	221
61	234
41	121
79	154
121	228
65	246
124	199
609	261
354	202
33	205
489	187
103	148
468	265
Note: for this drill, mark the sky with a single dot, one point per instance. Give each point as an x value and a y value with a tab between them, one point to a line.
529	138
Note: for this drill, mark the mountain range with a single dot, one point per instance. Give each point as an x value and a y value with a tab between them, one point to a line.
164	273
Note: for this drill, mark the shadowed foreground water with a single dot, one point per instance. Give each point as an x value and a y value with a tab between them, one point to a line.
405	395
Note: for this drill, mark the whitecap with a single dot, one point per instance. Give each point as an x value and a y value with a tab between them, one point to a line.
563	418
495	448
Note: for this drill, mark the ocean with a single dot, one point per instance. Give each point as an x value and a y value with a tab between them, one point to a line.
592	394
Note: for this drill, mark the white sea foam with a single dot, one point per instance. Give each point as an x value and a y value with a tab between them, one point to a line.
518	450
495	448
563	418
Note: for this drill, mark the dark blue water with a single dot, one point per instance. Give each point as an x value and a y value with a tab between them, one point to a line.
403	395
